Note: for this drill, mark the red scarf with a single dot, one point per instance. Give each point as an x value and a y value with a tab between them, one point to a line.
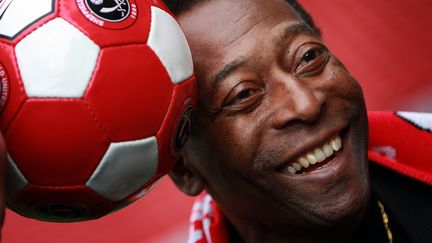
400	141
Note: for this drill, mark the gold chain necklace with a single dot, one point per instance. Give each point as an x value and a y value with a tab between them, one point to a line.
385	220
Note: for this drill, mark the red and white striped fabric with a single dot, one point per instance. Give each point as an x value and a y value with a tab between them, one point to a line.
206	222
400	141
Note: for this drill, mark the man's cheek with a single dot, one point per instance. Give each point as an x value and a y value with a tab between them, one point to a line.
231	142
344	85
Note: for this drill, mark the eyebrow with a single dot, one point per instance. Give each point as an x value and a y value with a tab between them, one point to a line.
287	34
292	30
226	71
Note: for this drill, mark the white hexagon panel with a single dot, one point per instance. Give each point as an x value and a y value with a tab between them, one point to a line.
125	168
166	38
56	61
16	15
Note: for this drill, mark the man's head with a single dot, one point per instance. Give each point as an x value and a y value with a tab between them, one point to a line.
180	6
270	92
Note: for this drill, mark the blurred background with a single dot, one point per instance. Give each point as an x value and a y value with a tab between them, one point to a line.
387	46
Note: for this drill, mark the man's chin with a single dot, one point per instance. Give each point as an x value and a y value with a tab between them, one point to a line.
348	209
337	195
339	216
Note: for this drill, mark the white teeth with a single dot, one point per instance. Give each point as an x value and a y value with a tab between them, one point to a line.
315	156
311	158
297	166
304	162
336	143
291	170
319	154
328	151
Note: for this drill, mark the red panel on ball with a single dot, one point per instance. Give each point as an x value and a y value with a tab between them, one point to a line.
66	131
15	93
47	202
130	97
132	30
181	104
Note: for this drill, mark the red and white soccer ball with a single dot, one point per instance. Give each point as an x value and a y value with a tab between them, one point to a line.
96	99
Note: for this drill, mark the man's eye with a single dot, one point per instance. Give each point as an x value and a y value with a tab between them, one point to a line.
312	61
311	55
246	93
243	97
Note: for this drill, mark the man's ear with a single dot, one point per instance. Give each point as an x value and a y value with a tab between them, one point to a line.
186	178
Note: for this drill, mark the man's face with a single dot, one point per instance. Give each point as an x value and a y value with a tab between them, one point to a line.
269	93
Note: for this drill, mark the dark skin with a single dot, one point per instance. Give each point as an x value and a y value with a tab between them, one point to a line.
269	92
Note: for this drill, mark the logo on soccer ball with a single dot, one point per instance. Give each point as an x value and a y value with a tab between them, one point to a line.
183	129
110	10
113	14
4	89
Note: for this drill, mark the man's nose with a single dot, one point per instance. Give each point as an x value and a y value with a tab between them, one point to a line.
297	101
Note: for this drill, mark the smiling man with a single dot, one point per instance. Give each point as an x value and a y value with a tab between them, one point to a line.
280	134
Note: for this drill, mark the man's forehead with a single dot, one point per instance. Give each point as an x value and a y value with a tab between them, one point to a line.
214	26
227	20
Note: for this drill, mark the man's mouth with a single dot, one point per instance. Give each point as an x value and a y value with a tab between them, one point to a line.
315	158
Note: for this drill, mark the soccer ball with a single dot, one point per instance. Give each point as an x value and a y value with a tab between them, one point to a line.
96	97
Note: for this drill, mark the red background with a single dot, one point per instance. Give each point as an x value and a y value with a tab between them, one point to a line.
387	46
